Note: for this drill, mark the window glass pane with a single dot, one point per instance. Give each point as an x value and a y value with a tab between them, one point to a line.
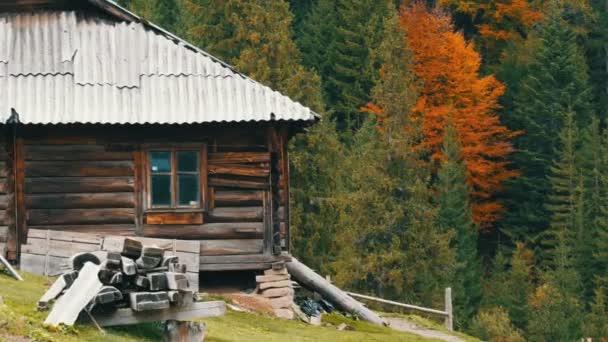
187	161
160	161
161	189
188	190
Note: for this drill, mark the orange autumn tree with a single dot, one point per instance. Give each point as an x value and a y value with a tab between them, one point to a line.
448	69
497	21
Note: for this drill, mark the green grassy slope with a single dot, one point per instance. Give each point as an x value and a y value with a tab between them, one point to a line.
19	318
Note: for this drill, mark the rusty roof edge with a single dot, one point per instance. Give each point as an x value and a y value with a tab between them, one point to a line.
114	9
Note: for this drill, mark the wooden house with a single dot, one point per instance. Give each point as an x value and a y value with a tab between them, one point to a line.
114	126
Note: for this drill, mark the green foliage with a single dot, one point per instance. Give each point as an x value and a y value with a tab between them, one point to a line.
455	215
511	284
556	82
494	325
164	13
347	31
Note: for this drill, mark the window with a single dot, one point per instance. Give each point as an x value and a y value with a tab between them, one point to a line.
174	178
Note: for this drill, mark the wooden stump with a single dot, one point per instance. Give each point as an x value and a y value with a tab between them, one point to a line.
180	331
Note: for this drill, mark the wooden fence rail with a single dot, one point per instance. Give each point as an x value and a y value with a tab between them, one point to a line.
447	313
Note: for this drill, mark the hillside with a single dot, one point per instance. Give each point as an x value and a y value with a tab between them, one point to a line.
19	321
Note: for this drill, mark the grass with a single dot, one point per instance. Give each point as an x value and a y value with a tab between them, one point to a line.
19	318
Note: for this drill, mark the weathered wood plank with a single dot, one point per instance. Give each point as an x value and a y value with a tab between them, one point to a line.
4	169
238	183
80	216
195	311
207	231
78	185
236	214
238	259
174	218
80	200
4	201
236	266
3	233
231	247
90	229
238	157
3	186
74	153
77	237
40	264
239	170
79	169
166	244
224	198
56	248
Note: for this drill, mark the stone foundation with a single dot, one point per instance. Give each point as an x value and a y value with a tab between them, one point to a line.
275	285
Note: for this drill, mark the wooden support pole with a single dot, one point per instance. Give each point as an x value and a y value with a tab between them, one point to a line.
449	319
309	279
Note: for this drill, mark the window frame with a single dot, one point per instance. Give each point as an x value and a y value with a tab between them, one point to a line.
173	149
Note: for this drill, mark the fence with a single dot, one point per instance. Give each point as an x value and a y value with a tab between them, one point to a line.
447	313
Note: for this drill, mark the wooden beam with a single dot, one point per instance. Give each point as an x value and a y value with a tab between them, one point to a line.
74	153
80	200
79	169
207	231
239	170
128	316
225	198
80	216
218	181
236	214
78	184
231	247
238	157
167	218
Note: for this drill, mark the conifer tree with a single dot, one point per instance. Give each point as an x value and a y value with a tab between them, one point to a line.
556	82
596	321
556	306
455	214
164	13
255	36
348	31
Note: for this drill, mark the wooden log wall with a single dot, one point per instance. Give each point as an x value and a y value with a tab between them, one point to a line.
5	199
89	178
84	186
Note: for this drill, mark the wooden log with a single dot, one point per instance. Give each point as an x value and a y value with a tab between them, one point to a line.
3	186
309	279
4	169
4	201
3	233
195	311
162	218
238	157
238	183
78	185
91	229
239	170
74	153
243	259
224	198
80	200
236	214
80	216
79	169
207	231
231	247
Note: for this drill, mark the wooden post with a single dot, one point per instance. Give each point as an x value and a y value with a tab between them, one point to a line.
449	319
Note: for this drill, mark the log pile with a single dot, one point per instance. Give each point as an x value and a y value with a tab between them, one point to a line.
275	285
123	275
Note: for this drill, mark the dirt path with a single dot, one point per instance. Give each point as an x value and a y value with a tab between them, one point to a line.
407	326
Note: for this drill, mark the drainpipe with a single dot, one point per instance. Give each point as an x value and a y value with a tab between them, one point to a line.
13	120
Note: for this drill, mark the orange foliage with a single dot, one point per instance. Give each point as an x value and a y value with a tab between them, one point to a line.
499	20
448	68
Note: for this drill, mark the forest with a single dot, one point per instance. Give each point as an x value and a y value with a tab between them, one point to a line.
464	143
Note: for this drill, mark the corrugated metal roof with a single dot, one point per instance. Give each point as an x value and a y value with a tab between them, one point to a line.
71	67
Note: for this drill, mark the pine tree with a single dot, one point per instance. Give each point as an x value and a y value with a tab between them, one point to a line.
455	214
596	321
348	31
255	36
556	82
557	310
